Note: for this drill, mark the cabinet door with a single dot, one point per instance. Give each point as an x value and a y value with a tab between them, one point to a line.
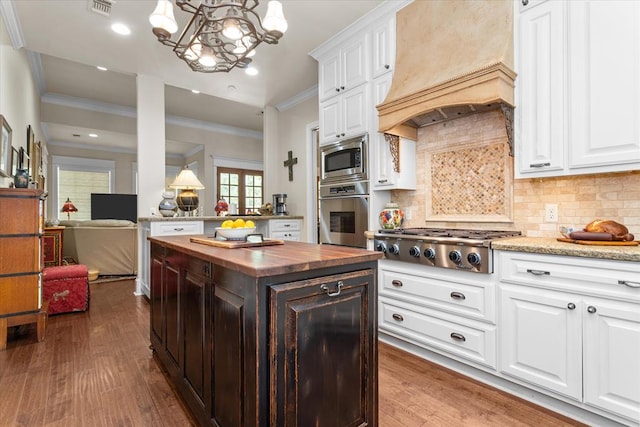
156	291
194	329
381	156
540	112
355	110
354	63
611	356
384	46
172	288
330	120
328	76
541	339
604	106
312	322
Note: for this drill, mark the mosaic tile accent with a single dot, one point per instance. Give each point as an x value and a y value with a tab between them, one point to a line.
469	181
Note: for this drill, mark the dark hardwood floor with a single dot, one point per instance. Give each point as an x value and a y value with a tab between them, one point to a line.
96	369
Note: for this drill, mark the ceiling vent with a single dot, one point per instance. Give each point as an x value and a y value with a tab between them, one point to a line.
102	7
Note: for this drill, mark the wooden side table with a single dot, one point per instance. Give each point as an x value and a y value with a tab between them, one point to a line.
52	242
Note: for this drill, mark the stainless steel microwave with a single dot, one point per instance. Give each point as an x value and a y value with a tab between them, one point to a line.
344	160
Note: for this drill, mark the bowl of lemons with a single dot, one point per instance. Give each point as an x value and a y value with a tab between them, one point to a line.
237	229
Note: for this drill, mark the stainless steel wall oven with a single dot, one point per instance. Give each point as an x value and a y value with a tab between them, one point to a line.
344	212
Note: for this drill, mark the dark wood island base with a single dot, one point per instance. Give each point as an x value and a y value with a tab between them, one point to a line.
271	336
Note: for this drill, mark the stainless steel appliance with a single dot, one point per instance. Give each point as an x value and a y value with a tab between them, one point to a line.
280	204
344	212
344	160
461	249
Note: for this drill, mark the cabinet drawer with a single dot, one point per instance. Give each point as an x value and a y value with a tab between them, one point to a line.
473	301
176	228
431	329
587	276
284	225
293	236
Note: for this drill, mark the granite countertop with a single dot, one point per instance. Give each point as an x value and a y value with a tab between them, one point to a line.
263	261
550	246
218	218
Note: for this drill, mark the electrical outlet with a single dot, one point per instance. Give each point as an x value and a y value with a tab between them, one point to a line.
550	212
407	213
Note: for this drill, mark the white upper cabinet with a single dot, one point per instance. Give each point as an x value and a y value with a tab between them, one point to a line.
343	69
383	53
577	93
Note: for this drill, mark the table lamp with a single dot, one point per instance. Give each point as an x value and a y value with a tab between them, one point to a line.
68	207
187	182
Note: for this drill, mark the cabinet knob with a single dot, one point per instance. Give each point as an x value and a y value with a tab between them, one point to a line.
571	306
458	337
341	87
342	134
337	135
396	283
339	286
337	89
525	2
591	309
387	66
397	317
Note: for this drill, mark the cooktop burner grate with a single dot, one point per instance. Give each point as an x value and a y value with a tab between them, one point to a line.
456	233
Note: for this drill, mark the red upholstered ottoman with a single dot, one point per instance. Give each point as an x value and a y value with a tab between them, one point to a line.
66	288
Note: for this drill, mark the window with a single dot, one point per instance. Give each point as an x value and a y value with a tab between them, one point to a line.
76	178
241	186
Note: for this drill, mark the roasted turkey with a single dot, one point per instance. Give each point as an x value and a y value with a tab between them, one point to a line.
618	231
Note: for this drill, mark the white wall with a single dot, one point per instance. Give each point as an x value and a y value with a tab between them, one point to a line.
19	96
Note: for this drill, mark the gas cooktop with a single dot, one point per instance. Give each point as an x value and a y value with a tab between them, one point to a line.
461	249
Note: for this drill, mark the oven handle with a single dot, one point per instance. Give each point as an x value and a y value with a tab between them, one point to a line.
349	196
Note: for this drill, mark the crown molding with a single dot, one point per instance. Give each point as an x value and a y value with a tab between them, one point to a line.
12	23
130	112
297	99
194	151
35	62
92	147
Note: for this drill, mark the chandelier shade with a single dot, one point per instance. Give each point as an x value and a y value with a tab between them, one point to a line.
221	34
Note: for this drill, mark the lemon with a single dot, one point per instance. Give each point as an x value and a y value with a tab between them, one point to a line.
238	223
249	224
227	224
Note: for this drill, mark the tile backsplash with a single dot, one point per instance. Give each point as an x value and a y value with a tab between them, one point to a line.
580	199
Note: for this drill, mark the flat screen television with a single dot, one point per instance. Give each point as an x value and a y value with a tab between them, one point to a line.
114	206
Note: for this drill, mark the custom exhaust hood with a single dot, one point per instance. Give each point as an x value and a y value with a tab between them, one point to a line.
453	58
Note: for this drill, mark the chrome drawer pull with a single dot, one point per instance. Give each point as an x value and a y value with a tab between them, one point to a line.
629	283
538	272
458	337
457	295
396	283
539	165
333	294
178	229
397	317
382	181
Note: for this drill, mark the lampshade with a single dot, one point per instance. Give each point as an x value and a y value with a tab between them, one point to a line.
187	179
68	207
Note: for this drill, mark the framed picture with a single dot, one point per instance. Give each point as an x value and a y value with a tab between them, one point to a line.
34	162
15	161
5	147
31	140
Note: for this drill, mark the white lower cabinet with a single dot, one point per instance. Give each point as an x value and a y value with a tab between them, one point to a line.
572	326
285	229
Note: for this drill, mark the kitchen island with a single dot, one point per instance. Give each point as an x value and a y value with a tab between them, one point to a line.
267	336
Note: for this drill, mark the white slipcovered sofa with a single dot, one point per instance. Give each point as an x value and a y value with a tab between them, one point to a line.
109	245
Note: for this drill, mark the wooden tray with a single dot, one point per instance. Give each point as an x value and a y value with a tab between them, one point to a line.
598	242
232	244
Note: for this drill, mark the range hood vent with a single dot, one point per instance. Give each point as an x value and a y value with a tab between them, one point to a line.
454	58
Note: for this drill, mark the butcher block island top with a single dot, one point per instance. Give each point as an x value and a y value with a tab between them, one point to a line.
263	336
271	260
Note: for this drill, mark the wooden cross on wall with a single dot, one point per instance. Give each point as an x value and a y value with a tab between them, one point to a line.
289	164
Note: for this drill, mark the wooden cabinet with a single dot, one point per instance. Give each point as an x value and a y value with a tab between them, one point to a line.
260	351
572	86
320	345
572	326
21	230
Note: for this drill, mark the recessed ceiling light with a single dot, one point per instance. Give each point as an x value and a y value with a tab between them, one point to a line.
101	68
93	135
120	28
195	91
252	71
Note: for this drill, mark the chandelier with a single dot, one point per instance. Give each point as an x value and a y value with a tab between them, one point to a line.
221	35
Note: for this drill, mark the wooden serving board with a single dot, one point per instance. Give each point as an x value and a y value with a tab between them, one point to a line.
232	244
598	242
